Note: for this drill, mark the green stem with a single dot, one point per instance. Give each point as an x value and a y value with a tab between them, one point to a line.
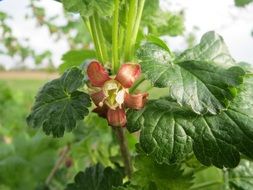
226	179
115	35
121	43
95	38
130	26
205	185
137	84
101	38
137	24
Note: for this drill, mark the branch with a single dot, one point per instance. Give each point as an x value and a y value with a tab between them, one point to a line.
57	164
124	150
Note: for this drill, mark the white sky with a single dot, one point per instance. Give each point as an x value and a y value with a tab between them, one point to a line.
234	24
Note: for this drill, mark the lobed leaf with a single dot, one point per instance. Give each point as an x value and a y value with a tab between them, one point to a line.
96	178
168	131
211	48
197	83
59	104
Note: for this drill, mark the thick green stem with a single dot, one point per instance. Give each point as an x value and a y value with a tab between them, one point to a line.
101	38
130	26
94	34
137	24
115	36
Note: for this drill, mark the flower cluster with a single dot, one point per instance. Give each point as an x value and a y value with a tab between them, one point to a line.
111	94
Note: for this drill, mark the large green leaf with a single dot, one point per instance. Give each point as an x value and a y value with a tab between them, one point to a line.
96	178
211	48
59	104
199	84
87	8
168	131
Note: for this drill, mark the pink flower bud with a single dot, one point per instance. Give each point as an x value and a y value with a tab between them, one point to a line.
116	118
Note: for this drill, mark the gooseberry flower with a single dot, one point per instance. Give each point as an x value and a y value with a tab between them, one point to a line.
111	94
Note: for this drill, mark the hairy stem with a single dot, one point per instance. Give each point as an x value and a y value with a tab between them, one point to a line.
124	150
57	164
130	26
115	36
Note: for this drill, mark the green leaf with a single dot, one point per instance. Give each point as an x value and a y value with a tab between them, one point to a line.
76	58
201	85
87	8
96	178
164	23
150	9
242	176
168	131
157	41
59	104
211	48
242	3
162	176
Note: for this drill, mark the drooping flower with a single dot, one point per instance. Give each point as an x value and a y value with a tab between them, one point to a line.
111	94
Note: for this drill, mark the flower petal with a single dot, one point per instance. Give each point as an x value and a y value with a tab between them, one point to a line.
101	111
135	101
97	74
98	98
116	118
127	74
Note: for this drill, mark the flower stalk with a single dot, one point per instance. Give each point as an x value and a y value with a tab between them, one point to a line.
120	133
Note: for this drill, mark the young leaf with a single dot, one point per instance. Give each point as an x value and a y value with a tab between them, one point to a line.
96	178
87	8
75	58
242	176
201	85
211	48
160	176
59	104
168	131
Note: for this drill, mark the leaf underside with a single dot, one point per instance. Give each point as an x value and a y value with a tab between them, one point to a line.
59	104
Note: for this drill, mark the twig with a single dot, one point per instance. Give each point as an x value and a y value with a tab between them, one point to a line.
57	164
124	150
